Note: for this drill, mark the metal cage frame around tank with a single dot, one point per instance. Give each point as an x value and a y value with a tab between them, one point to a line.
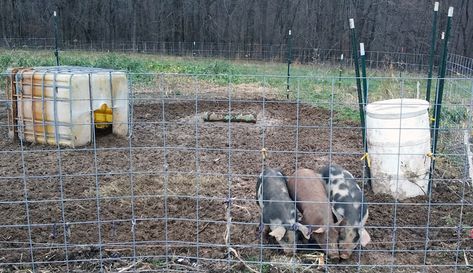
15	93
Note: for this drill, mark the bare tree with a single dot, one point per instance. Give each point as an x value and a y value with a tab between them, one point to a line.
382	25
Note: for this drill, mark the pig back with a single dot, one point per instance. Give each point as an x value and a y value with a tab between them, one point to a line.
307	188
273	197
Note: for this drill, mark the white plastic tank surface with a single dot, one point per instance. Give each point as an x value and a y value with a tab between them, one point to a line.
398	139
55	105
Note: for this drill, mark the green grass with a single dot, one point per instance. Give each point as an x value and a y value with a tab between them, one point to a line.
319	85
143	63
214	71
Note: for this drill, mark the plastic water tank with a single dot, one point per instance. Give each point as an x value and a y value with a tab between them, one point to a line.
63	104
398	139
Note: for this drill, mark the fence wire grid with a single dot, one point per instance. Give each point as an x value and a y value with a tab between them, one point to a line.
405	60
177	194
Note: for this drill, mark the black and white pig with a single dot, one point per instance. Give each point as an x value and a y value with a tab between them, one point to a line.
277	209
348	207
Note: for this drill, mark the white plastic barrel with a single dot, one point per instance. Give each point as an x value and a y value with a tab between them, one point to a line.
398	139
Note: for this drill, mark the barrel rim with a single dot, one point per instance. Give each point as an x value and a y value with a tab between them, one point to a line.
396	108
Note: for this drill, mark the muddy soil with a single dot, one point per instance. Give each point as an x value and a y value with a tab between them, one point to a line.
164	196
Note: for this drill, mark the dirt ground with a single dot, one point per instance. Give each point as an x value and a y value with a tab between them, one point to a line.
181	178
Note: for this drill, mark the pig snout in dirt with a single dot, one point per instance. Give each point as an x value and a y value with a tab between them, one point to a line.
349	208
277	208
308	190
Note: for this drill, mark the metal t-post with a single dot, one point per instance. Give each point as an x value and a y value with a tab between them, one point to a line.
289	59
361	100
357	72
439	96
340	69
432	51
363	73
56	51
365	101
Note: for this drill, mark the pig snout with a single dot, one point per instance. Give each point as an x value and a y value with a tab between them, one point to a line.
330	247
333	251
346	250
349	240
334	255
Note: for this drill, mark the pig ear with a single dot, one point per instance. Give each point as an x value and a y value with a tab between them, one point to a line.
338	222
341	222
278	233
338	217
319	230
365	238
305	230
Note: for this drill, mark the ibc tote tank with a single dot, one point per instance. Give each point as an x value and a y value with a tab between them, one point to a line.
64	104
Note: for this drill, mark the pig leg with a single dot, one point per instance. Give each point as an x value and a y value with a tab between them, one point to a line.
261	227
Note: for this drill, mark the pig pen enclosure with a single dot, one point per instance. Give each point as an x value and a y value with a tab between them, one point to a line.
178	194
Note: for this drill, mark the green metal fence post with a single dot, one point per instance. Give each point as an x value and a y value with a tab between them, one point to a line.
442	39
361	100
432	51
365	101
439	95
340	71
289	59
357	70
363	73
56	37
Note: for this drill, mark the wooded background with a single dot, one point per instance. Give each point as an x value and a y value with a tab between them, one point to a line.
383	25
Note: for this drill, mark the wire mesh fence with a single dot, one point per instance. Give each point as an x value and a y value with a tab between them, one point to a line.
177	194
460	65
404	61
